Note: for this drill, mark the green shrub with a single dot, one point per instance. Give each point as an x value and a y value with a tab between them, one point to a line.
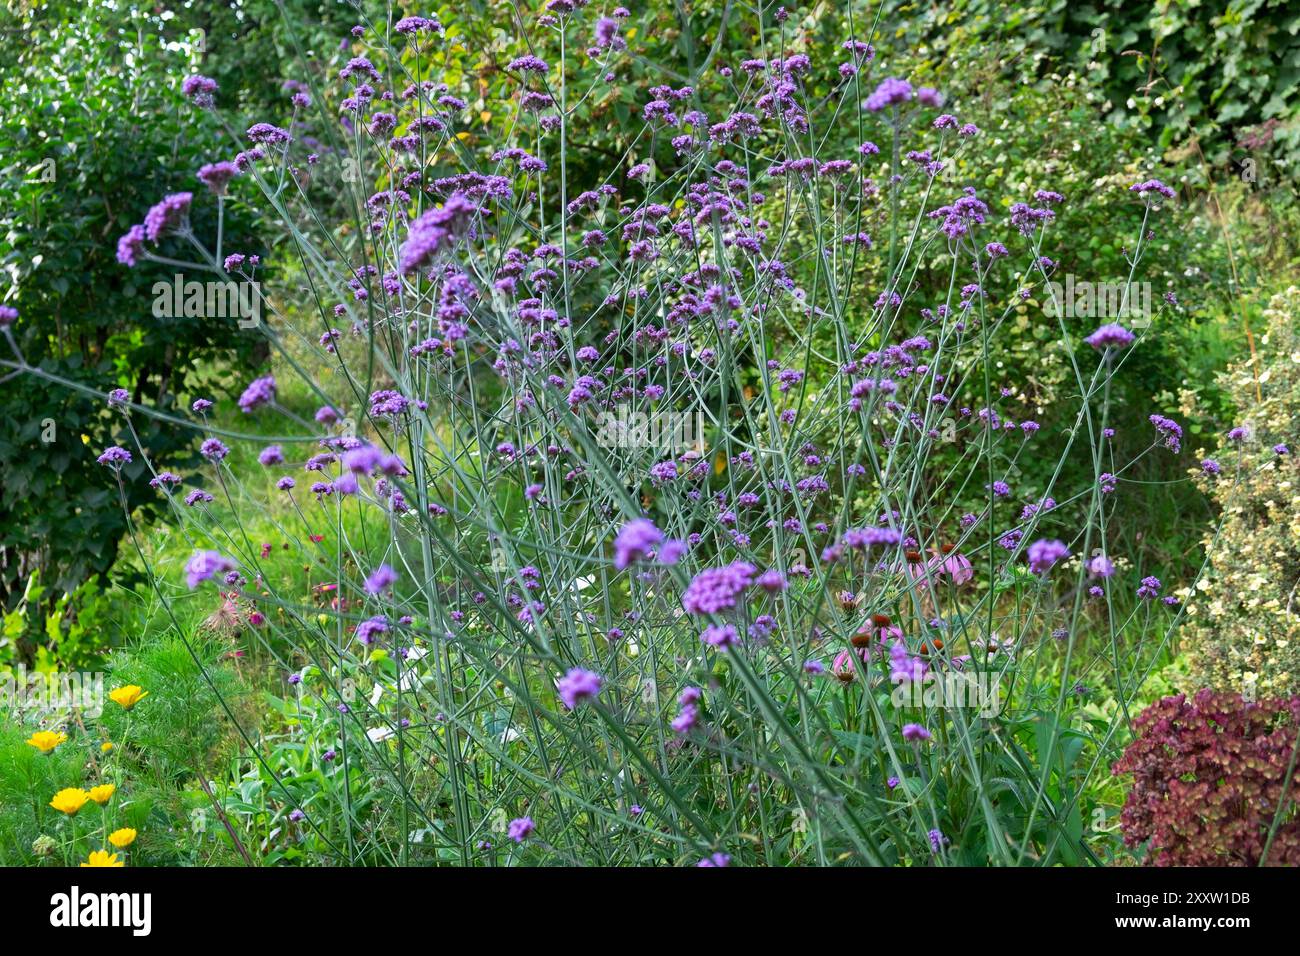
95	128
1247	635
1185	71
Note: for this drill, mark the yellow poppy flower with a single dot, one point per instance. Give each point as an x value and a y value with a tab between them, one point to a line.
122	838
106	746
103	858
101	793
46	740
70	800
128	696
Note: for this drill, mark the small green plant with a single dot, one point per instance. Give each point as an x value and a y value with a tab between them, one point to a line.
118	767
64	633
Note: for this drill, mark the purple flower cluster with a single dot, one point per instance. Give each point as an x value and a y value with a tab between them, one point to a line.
1145	189
1169	430
520	829
716	589
214	449
380	579
1044	553
861	539
387	402
635	542
904	666
167	216
436	231
1150	588
200	90
204	565
576	686
915	733
130	246
217	175
410	26
893	92
370	629
261	391
114	457
1110	336
265	134
721	636
688	716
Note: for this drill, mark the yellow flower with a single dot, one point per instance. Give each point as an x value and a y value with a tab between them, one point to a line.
46	740
106	746
128	696
103	858
101	793
122	838
70	800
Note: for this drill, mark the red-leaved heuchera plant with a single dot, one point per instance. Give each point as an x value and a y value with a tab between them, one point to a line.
1209	775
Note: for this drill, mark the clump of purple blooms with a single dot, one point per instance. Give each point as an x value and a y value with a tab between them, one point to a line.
520	829
260	391
1110	336
576	686
204	565
201	90
1044	553
436	231
487	314
717	589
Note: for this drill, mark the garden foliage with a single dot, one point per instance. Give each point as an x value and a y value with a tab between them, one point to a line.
1244	636
671	450
92	128
1214	781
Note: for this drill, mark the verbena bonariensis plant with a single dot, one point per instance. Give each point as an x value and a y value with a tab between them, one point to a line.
569	626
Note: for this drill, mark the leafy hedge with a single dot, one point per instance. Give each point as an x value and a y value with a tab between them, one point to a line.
1246	637
94	127
1226	75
